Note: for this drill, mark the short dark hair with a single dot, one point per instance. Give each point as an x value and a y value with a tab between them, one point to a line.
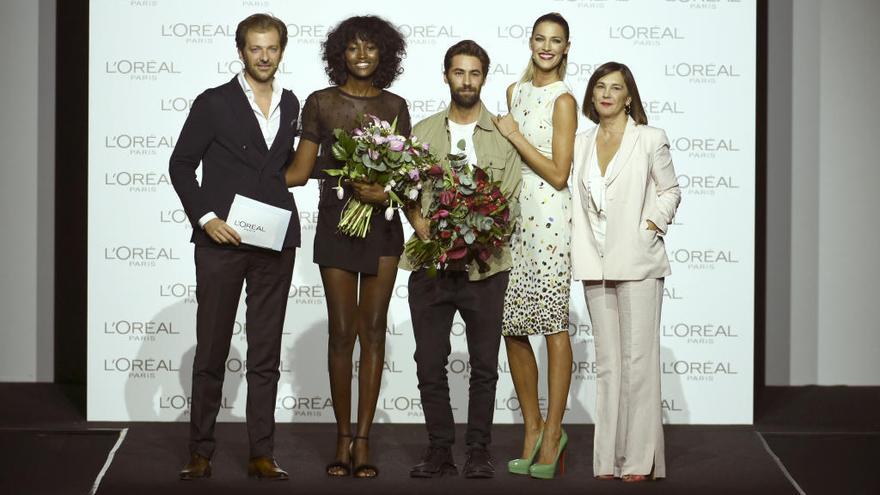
466	47
392	48
261	23
636	110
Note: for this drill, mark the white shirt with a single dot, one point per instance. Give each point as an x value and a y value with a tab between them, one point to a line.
268	125
598	187
463	132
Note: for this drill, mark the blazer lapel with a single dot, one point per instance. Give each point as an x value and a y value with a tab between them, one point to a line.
245	116
627	145
585	164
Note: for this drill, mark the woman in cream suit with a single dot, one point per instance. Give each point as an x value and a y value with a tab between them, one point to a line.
625	196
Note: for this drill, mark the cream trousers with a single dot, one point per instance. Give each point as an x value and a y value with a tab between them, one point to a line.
626	334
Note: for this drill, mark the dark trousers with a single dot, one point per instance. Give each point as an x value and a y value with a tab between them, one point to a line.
219	277
433	302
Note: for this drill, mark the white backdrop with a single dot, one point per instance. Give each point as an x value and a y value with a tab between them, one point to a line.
694	62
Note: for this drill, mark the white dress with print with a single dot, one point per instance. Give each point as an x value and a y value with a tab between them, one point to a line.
536	302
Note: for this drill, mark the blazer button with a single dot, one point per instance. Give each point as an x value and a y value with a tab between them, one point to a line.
244	147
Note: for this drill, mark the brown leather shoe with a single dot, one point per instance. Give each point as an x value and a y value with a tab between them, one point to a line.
197	468
266	468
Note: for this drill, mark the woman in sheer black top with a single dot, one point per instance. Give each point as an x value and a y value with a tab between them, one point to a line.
362	56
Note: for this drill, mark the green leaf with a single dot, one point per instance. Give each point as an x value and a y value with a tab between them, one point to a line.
339	152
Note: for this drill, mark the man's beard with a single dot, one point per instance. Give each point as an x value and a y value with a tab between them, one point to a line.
257	75
466	100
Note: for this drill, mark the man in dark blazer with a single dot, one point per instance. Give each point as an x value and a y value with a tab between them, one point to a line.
242	134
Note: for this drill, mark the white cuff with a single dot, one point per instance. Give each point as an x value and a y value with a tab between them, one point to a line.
207	218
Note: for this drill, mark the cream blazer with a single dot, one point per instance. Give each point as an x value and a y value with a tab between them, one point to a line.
642	186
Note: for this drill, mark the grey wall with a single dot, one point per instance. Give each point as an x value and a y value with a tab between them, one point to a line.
822	330
779	197
848	346
27	134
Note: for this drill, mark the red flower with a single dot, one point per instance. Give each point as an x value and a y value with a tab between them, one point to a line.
447	198
440	214
456	253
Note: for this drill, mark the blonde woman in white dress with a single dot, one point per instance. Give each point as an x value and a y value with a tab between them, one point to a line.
541	125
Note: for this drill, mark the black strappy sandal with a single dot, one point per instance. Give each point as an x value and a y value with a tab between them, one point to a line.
361	469
344	468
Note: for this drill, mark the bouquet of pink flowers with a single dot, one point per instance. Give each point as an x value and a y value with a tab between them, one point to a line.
470	220
374	152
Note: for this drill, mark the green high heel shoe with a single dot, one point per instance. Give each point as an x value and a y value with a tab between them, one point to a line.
548	471
521	466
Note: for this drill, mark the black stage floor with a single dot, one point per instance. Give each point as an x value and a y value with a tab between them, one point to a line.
812	440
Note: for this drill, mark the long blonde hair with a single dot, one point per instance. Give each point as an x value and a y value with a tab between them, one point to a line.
556	18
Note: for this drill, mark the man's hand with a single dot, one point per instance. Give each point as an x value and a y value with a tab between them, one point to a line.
652	225
369	192
421	225
221	233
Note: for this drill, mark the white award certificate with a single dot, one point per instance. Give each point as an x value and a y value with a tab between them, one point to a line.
257	223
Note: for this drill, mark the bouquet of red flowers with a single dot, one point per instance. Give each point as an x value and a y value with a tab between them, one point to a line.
374	152
470	220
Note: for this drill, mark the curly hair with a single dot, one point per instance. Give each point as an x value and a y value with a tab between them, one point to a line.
392	48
